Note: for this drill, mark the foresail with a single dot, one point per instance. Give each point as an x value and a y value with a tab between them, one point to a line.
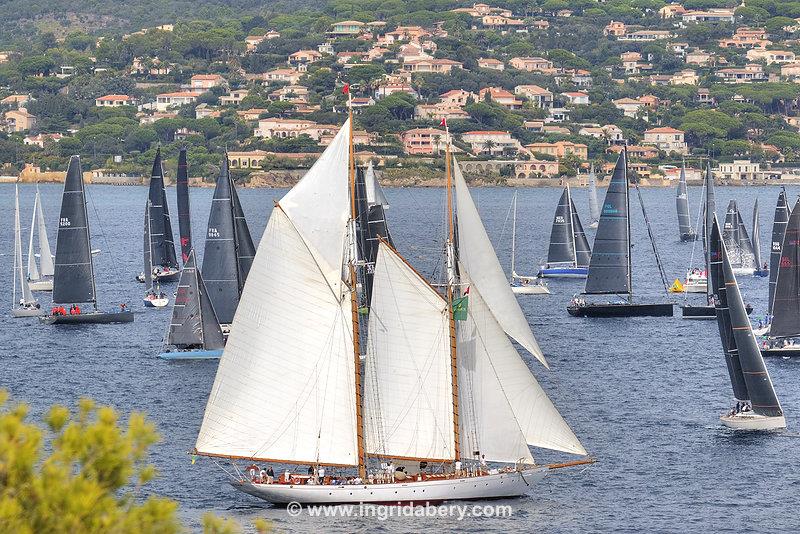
45	255
319	206
756	236
212	333
33	269
27	296
583	252
375	195
502	407
478	258
185	329
594	208
245	250
682	204
408	395
290	318
184	218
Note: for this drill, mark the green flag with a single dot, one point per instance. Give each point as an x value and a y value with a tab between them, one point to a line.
460	308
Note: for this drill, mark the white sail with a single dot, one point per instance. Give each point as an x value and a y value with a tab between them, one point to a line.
478	256
27	296
408	394
45	255
33	269
375	194
502	406
285	387
319	206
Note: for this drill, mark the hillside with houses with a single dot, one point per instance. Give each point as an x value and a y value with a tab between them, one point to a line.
531	91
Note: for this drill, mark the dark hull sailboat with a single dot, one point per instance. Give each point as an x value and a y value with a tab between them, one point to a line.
610	264
705	312
685	229
73	281
569	253
165	262
623	309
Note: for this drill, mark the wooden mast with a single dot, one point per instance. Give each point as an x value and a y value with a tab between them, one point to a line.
450	283
362	463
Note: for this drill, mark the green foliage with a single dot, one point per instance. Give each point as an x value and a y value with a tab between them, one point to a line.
91	480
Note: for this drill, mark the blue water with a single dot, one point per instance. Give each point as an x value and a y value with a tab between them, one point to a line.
643	395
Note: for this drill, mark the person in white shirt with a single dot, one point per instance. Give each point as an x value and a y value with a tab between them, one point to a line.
483	462
321	474
263	474
458	467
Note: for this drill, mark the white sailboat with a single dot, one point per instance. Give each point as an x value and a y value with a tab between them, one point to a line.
523	285
465	393
40	278
27	305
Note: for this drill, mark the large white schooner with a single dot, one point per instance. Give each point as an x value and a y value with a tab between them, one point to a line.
442	392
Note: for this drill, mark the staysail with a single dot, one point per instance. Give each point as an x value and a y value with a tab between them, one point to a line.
757	386
562	234
193	323
409	351
786	304
245	249
682	204
583	252
778	231
295	314
73	281
610	265
594	208
501	406
184	217
161	227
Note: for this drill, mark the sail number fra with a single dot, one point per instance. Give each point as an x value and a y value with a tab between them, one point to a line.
64	221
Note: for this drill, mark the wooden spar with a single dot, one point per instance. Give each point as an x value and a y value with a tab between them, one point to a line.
271	460
587	461
450	282
362	463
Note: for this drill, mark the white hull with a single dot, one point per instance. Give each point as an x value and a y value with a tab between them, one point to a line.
511	484
695	287
531	289
41	285
758	332
744	271
752	421
27	312
155	303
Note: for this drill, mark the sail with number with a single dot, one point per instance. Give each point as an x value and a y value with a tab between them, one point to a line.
594	207
562	234
749	376
184	218
161	227
73	281
776	246
294	315
682	204
194	323
229	249
786	303
610	265
45	255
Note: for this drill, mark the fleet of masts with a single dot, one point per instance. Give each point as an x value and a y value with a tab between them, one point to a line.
328	300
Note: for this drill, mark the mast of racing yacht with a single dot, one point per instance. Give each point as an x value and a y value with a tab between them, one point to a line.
362	463
451	280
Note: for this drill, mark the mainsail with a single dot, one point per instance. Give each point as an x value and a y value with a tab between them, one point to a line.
737	242
610	266
45	256
786	304
27	296
194	323
562	236
147	248
778	231
682	204
229	249
73	281
161	227
710	213
594	208
294	315
749	376
184	217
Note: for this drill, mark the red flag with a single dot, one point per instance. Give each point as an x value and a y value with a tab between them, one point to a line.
443	123
346	89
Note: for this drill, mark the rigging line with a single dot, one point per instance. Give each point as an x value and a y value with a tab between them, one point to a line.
652	240
114	266
700	219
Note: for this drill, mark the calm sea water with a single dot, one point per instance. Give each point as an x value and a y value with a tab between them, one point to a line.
643	394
